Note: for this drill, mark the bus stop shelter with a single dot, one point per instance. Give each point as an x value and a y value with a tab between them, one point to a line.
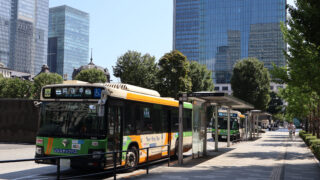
200	101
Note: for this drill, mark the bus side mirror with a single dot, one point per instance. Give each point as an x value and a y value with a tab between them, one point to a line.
102	102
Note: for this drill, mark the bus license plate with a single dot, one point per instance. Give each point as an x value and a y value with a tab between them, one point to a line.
224	137
65	162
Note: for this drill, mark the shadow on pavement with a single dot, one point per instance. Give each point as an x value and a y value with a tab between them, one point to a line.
274	144
270	155
27	173
210	155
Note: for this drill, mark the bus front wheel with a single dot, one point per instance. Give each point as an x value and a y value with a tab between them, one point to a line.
132	158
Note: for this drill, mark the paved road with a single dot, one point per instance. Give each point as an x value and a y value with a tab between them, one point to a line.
31	170
21	170
273	156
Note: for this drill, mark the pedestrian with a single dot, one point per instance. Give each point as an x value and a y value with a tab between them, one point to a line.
292	130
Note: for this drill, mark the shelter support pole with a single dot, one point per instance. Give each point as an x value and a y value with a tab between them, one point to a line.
228	137
257	125
250	125
246	130
180	148
216	129
205	130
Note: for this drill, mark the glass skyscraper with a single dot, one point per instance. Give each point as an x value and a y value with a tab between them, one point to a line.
68	45
5	15
24	34
218	33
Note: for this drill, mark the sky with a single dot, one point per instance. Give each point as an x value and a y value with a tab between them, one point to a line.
117	26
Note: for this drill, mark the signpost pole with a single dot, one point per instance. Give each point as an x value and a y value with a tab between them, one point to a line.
228	144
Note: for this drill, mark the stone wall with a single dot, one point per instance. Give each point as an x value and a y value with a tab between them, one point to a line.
18	121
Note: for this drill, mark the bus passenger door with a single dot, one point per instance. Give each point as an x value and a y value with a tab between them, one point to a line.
114	140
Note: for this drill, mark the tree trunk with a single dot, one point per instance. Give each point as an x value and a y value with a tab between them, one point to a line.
314	122
318	119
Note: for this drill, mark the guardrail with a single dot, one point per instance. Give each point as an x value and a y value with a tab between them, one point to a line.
113	170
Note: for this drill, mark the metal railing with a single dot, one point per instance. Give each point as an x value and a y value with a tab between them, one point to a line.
113	170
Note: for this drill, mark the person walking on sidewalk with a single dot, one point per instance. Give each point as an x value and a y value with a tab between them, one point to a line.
292	130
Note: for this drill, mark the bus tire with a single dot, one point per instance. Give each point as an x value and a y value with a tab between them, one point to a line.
132	158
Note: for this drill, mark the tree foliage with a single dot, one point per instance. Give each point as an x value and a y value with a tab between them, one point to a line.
250	81
136	69
276	103
173	74
201	77
45	79
15	88
303	64
91	76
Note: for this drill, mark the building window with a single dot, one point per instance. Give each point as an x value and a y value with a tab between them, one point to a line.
225	88
271	87
217	88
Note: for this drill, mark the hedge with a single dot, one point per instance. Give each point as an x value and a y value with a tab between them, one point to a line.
312	141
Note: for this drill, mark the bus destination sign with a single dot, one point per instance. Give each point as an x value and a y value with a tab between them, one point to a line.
72	92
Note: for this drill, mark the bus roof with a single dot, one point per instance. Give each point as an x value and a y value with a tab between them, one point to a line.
127	91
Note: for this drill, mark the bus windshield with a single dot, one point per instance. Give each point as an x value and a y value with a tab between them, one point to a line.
71	119
223	123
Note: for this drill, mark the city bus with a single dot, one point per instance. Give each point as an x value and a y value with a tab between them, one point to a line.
82	118
236	125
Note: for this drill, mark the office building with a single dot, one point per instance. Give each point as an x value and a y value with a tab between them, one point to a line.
218	33
68	44
5	13
24	34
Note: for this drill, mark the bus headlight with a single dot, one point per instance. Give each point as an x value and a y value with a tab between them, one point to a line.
39	150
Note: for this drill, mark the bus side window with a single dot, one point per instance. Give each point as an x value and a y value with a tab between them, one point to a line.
130	123
138	120
165	123
187	124
146	121
156	115
174	120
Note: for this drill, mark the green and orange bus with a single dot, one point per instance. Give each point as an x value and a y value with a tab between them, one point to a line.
83	118
237	121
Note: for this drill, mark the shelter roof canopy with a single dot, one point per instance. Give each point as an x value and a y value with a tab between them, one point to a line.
221	99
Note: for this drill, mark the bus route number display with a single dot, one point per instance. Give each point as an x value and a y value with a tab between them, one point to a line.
72	92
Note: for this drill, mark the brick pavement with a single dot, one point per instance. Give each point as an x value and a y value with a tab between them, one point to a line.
273	156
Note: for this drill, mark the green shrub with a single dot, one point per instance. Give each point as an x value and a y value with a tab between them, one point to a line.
315	142
316	149
305	136
302	134
309	138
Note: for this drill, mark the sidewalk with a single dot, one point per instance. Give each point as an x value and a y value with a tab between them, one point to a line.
271	157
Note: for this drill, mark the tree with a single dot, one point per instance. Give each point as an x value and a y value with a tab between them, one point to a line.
250	82
201	77
91	76
303	38
276	104
306	19
45	79
173	74
15	88
133	68
303	63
